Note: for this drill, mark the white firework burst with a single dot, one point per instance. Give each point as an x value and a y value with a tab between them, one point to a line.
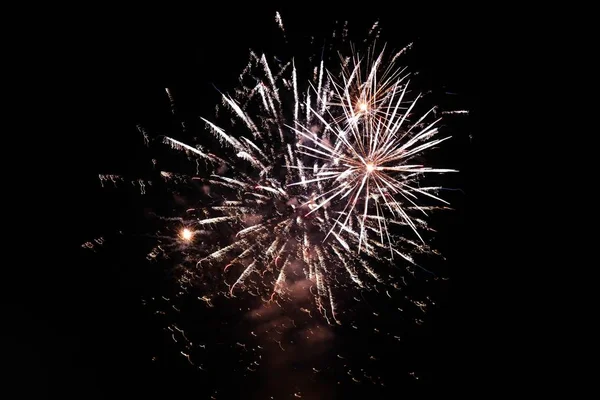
316	180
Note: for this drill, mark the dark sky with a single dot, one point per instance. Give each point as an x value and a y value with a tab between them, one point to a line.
77	325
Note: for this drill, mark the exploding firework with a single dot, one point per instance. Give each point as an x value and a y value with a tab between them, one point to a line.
316	179
368	156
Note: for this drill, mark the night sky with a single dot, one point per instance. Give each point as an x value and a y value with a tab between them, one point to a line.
78	326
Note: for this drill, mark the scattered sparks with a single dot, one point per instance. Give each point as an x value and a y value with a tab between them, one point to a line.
324	194
318	177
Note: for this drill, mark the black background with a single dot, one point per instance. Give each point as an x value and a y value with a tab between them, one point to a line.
76	326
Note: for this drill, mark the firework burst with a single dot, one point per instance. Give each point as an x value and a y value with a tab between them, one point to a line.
367	155
317	175
314	180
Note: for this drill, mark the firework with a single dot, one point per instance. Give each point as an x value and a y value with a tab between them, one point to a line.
368	155
257	220
315	178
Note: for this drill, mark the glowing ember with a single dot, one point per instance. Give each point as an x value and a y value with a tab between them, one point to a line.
186	234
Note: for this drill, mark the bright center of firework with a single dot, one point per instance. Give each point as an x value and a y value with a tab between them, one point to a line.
370	167
186	234
362	107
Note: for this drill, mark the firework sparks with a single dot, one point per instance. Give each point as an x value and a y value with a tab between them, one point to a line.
300	192
367	157
315	178
307	197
